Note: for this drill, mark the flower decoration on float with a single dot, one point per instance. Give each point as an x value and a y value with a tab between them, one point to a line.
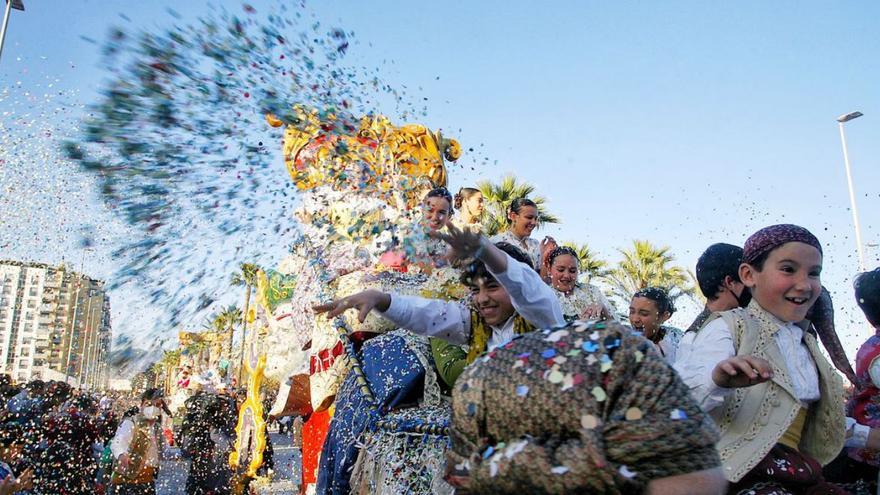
322	148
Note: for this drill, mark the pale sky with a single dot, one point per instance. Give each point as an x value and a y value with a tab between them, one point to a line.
684	123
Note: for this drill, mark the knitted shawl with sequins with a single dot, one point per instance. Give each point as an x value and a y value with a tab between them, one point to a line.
481	332
579	409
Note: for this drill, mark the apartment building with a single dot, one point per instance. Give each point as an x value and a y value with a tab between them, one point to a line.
54	325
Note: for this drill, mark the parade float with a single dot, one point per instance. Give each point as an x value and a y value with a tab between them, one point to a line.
360	186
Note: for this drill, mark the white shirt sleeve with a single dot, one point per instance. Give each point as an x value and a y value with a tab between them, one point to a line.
531	297
697	355
122	439
447	320
874	371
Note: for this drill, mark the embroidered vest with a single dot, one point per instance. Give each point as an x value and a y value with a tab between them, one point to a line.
753	419
137	471
481	332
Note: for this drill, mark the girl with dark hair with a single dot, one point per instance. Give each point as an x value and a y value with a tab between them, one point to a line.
578	300
438	208
648	310
523	216
469	203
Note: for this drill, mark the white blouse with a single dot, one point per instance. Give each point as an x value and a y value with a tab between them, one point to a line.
530	246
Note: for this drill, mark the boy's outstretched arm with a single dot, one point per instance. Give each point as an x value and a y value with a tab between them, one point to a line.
364	302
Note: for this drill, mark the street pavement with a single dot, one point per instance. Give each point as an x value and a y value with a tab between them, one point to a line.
173	471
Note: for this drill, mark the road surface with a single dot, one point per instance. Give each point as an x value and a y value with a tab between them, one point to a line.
172	474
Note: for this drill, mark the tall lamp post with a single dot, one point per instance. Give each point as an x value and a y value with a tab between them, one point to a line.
852	195
10	4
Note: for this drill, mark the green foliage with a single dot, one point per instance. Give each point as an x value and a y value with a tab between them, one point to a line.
497	199
588	263
645	265
247	275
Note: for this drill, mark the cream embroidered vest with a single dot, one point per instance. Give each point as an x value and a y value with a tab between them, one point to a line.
753	419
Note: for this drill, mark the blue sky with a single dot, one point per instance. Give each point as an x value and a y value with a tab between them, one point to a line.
685	123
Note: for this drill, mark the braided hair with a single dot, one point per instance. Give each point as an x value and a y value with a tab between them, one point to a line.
463	194
660	297
441	192
559	251
518	203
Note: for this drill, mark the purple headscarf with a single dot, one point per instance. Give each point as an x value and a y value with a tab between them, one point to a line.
770	238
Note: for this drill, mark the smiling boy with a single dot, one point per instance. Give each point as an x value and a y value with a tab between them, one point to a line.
507	298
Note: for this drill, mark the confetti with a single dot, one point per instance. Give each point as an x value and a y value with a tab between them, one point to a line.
599	394
633	414
488	452
678	414
589	422
626	473
522	390
555	336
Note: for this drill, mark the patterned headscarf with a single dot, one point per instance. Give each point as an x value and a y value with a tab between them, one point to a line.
578	409
770	238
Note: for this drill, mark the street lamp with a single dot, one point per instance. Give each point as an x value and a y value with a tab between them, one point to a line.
852	195
10	4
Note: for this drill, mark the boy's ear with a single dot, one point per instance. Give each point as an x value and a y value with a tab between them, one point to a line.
747	275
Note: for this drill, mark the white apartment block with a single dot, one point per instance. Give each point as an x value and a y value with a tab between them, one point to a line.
54	325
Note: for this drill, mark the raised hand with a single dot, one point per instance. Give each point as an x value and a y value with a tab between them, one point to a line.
594	312
364	302
742	371
464	244
548	244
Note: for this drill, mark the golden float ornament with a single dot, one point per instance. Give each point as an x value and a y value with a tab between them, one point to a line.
319	150
250	441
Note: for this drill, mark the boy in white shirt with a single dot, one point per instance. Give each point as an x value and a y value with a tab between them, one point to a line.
507	298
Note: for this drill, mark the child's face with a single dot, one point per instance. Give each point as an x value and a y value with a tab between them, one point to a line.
645	316
789	284
492	301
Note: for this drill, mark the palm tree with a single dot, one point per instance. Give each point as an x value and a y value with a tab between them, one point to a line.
645	265
224	323
588	263
169	361
497	199
197	348
248	278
